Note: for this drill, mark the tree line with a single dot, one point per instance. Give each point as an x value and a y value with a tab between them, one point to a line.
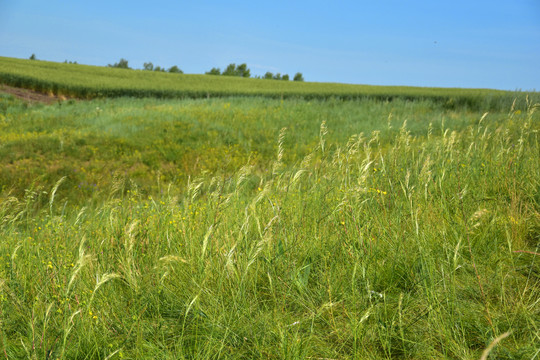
243	71
231	70
147	66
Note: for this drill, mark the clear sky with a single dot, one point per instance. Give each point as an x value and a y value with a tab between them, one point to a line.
472	43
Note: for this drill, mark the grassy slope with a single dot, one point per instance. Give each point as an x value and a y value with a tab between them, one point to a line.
91	81
411	241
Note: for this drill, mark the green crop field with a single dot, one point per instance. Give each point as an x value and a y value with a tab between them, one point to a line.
261	227
82	81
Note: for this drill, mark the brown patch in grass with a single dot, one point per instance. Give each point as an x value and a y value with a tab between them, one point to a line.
31	96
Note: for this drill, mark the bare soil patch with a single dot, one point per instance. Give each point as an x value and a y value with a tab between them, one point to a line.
30	95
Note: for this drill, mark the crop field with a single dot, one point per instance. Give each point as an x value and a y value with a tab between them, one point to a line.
257	227
83	81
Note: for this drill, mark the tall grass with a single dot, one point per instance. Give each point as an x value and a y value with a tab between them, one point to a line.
406	245
92	143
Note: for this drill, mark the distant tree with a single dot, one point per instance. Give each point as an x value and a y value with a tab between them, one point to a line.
33	57
148	66
243	71
230	70
285	77
277	76
298	77
175	70
214	71
159	69
268	75
122	64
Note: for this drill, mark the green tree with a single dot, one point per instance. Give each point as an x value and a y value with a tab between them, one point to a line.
268	75
33	57
230	70
285	77
277	76
148	66
122	64
175	70
298	77
243	71
214	71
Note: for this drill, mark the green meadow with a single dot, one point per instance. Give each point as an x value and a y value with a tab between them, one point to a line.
238	227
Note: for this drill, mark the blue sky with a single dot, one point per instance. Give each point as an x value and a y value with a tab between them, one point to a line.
474	43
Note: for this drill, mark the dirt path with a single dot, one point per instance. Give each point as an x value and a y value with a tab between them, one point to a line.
30	96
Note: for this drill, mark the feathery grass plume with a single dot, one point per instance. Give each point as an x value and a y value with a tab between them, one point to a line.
230	262
484	116
512	108
100	281
53	192
254	254
81	261
278	163
117	184
404	137
45	323
194	188
389	121
494	343
111	355
362	179
80	214
127	261
14	253
68	327
296	178
477	218
425	175
9	206
323	131
166	262
261	195
206	240
354	144
242	175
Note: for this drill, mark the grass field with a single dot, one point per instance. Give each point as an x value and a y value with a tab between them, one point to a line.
82	81
90	142
261	228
